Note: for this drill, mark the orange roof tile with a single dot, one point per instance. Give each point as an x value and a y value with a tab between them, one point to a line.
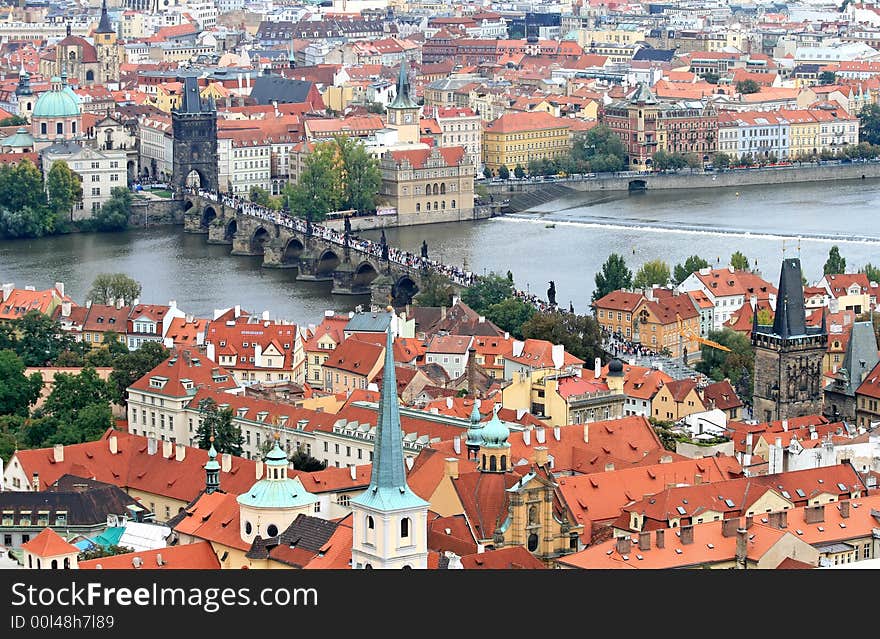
196	556
49	544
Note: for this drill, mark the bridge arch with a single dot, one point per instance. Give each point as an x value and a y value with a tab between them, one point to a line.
231	230
638	185
258	240
187	205
327	262
364	274
209	214
404	290
292	251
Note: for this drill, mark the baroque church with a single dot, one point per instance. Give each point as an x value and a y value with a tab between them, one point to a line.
86	62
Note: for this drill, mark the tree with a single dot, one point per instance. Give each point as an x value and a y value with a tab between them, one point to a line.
600	149
873	272
14	120
835	263
733	365
510	315
21	185
17	391
109	287
487	173
747	86
710	77
827	77
40	339
99	552
64	188
653	273
12	429
691	265
218	423
579	334
318	190
435	291
739	261
764	317
869	124
487	290
693	160
89	424
113	214
301	460
503	172
661	160
613	276
519	172
375	107
259	196
359	174
71	393
721	161
677	161
131	366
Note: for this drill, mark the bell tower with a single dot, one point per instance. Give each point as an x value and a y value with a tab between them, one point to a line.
107	48
403	113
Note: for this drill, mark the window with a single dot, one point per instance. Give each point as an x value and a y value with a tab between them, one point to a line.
344	500
272	530
404	528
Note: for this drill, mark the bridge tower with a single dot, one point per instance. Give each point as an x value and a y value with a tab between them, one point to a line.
194	128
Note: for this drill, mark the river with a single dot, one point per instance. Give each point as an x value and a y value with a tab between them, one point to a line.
646	226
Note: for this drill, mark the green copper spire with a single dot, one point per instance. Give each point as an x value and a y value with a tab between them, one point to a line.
212	470
388	489
403	100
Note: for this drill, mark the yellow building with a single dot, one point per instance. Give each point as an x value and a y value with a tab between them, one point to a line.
624	34
676	400
337	98
168	96
803	133
668	324
517	138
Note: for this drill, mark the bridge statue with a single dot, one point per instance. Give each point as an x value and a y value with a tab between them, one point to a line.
347	225
570	307
551	294
424	249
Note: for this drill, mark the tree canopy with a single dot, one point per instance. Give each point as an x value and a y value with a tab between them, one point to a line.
487	290
739	261
691	265
435	290
613	276
600	149
869	124
747	86
835	263
651	274
510	314
737	365
218	423
109	287
579	334
18	392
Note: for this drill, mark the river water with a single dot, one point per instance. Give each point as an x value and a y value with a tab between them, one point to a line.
713	223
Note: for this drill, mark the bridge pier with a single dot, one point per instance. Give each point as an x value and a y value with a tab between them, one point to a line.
217	233
192	221
308	271
273	255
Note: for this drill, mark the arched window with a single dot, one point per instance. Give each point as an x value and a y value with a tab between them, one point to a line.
533	542
418	207
369	530
533	515
452	205
30	561
272	530
28	107
67	562
248	528
443	188
59	128
39	563
72	55
484	461
404	528
435	206
443	205
492	463
90	76
368	567
406	567
43	129
54	564
73	127
436	189
504	462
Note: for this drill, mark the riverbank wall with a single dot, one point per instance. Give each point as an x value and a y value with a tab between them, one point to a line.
711	179
154	212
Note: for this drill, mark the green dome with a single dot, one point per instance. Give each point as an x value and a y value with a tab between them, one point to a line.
277	493
474	431
212	463
20	139
61	103
495	433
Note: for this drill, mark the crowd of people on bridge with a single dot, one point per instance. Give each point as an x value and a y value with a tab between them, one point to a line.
378	250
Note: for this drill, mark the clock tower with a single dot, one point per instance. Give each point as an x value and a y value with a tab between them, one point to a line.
403	113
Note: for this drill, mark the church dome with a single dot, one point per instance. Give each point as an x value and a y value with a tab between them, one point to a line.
474	431
495	432
277	490
57	103
615	366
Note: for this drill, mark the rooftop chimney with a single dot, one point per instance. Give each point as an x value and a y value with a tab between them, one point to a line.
814	514
179	452
456	444
225	462
742	547
451	468
167	449
624	544
778	519
35	481
7	290
586	433
687	535
597	368
58	453
557	433
120	302
539	434
527	437
114	444
258	470
152	445
645	540
541	457
609	466
729	527
65	309
844	509
660	539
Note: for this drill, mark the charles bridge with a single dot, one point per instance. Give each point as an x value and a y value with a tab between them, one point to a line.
319	253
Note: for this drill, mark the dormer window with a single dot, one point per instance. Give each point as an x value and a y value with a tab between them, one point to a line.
245	344
158	382
262	415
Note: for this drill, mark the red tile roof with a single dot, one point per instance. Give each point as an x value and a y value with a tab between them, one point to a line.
49	544
503	559
619	301
355	356
451	155
185	368
196	556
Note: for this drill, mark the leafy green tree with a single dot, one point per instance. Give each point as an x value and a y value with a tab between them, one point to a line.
827	77
301	460
72	393
735	365
87	425
677	161
109	287
739	261
835	263
131	366
579	334
21	186
259	196
14	120
869	124
26	222
218	423
764	317
487	290
503	172
721	161
613	276
487	173
11	435
113	214
17	391
359	174
8	338
691	265
375	107
519	172
318	190
710	77
64	187
600	149
653	273
747	86
99	552
40	339
435	291
661	160
873	272
510	315
693	160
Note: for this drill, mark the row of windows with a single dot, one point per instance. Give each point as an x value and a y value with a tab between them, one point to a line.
59	128
428	206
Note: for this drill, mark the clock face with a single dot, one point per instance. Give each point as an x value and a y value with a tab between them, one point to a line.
407	118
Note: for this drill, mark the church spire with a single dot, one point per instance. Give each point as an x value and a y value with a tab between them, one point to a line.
212	470
104	24
403	100
790	319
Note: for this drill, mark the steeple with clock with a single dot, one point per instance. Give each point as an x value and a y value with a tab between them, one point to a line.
403	113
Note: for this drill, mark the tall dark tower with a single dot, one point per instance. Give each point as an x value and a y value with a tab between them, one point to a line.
788	354
194	127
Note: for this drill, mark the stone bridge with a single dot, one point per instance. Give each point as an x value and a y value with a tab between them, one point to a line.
352	270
